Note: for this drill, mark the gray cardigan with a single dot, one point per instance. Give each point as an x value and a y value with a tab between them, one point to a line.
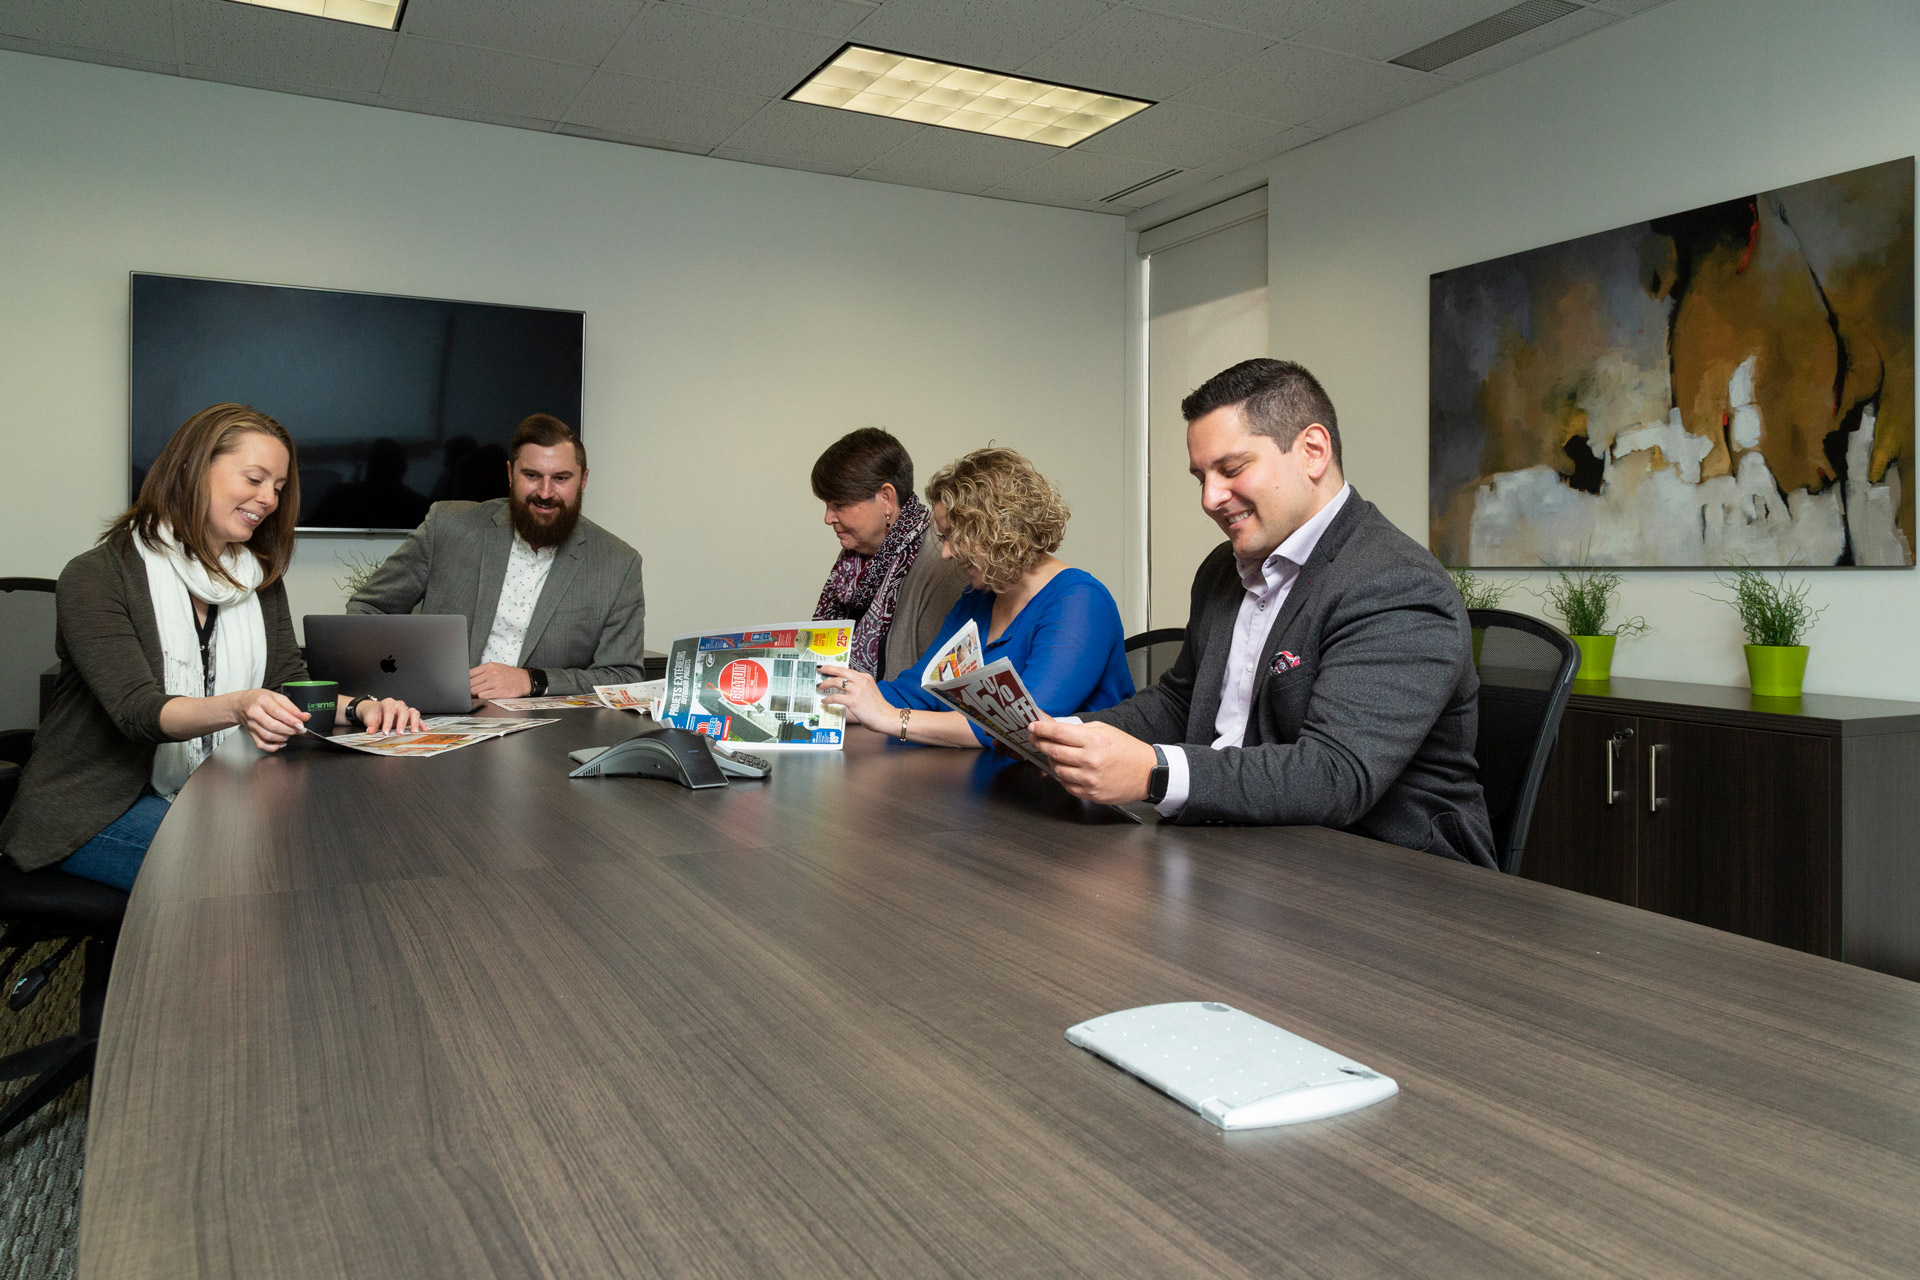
1365	700
94	751
926	594
588	625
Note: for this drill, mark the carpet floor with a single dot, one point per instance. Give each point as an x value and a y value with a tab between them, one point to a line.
40	1161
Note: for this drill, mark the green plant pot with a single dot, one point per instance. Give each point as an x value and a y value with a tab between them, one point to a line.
1479	638
1596	659
1776	671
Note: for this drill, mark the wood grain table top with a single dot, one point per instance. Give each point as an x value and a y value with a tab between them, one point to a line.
464	1017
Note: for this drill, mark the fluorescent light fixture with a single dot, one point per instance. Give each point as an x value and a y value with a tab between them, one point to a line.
954	97
384	14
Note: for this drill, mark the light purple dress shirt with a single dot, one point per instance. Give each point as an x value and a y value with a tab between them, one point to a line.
1268	584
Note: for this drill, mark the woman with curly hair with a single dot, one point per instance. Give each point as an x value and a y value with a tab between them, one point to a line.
1000	521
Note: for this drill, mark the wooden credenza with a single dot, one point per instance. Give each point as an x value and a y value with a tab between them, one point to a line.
1795	821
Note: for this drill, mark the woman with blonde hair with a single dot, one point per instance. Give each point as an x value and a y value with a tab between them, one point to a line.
171	632
1001	521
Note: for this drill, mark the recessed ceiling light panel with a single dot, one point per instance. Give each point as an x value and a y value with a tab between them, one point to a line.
384	14
897	85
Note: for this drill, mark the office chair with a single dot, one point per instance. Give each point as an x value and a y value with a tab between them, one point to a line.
50	906
1150	653
1526	672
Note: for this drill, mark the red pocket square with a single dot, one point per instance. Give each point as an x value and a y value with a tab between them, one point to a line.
1283	662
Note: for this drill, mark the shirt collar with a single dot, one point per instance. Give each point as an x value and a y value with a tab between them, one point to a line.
1298	547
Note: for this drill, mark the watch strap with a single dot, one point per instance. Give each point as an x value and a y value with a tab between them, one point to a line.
539	679
1159	778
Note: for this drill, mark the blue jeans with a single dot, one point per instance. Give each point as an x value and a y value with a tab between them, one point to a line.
114	856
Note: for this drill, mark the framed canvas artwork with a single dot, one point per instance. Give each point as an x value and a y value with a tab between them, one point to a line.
1729	385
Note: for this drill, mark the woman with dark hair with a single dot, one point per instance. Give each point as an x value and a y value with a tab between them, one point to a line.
1001	521
890	580
172	632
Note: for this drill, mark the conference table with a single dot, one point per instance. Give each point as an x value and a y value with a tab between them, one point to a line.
465	1017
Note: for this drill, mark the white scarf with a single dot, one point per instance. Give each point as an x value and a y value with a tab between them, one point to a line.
175	580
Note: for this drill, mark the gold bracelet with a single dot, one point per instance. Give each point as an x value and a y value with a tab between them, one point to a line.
904	713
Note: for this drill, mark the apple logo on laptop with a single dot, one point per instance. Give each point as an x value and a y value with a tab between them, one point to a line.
388	665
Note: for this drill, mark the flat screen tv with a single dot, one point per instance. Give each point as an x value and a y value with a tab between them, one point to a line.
394	403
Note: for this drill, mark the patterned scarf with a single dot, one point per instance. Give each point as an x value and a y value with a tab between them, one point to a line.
865	588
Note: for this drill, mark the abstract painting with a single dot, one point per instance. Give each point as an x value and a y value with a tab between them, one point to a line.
1728	385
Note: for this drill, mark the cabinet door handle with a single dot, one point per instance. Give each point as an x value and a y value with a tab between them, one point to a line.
1613	752
1654	799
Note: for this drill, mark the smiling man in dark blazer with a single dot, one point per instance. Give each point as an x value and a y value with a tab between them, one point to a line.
1327	675
553	602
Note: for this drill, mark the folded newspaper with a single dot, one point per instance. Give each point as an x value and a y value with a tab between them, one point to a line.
640	696
992	695
759	686
440	734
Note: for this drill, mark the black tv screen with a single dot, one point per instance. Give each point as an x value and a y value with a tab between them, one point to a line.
394	402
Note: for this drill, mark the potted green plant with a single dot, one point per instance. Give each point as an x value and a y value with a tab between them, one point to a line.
1585	599
359	569
1776	617
1477	592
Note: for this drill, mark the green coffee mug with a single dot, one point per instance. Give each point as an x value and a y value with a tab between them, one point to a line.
316	698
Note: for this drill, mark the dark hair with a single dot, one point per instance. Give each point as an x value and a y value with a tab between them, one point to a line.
177	490
1280	399
855	466
546	431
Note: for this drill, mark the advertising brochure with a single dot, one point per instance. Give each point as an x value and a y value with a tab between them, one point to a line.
548	702
759	686
641	696
442	734
992	696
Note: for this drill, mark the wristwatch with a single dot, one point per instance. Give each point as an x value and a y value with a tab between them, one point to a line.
539	679
1158	778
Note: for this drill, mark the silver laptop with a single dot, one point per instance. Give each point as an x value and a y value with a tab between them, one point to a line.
419	658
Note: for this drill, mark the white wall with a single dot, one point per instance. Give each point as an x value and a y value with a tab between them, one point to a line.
1693	102
739	318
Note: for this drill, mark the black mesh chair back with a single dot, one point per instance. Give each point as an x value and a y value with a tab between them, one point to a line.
26	637
1150	653
1526	672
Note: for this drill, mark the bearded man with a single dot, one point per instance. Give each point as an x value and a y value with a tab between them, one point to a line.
553	602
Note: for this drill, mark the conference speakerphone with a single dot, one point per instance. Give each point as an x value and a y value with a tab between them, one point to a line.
1238	1071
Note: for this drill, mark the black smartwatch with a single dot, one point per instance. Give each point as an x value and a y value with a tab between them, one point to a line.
539	679
1158	778
353	713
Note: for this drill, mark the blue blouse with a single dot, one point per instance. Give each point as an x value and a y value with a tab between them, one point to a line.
1067	644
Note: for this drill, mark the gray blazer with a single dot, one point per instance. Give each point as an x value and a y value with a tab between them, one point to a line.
94	752
587	626
929	590
1365	702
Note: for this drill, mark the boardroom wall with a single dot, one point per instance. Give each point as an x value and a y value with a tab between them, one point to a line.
1692	102
739	318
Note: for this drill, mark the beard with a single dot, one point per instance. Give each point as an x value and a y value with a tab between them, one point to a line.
543	528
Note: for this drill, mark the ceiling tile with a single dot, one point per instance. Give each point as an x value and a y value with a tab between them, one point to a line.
98	57
1628	6
821	165
1404	94
638	107
1277	19
822	17
133	28
629	140
957	161
1292	86
1386	29
1142	55
842	140
582	31
674	42
1265	149
1159	191
997	35
453	75
1076	176
1528	43
1173	133
288	49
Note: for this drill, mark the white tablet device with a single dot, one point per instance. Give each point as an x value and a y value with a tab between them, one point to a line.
1235	1069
